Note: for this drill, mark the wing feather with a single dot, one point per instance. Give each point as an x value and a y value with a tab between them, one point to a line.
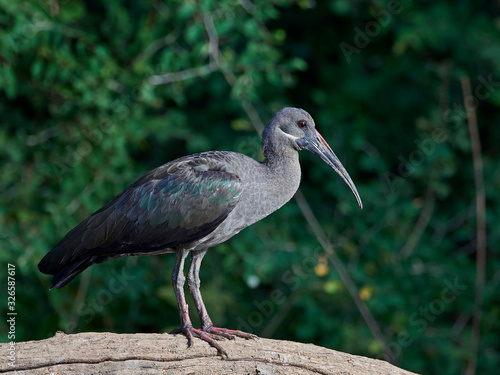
175	204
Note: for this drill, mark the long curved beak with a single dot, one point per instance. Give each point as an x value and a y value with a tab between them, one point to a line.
318	145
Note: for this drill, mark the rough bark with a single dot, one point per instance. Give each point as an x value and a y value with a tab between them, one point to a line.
132	354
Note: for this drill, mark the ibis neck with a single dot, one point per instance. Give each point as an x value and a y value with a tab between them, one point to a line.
281	158
283	169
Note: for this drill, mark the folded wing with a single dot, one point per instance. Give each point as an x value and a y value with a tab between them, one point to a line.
173	205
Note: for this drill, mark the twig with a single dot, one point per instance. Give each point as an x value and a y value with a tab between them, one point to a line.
156	45
183	75
247	5
212	66
441	229
229	75
281	314
81	294
58	28
161	8
253	115
369	234
213	37
418	230
480	225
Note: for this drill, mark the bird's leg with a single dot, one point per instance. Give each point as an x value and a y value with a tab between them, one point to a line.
178	280
186	328
194	288
194	282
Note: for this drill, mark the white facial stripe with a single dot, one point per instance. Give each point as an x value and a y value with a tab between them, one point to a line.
288	135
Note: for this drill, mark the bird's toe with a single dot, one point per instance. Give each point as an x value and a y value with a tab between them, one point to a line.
208	337
230	333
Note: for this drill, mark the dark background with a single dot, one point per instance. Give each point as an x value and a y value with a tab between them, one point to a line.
82	115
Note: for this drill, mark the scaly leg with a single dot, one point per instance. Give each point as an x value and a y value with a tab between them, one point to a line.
194	288
186	328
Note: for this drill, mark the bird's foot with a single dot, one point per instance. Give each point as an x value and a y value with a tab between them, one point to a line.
208	337
211	334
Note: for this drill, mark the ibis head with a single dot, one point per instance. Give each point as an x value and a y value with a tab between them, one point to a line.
296	128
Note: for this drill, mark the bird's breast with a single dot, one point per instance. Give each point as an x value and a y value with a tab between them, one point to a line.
265	190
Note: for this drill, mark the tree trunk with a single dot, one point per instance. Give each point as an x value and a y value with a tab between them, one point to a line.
132	354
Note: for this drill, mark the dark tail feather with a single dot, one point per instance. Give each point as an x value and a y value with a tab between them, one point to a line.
69	272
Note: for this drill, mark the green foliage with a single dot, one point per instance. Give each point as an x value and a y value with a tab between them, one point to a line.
83	114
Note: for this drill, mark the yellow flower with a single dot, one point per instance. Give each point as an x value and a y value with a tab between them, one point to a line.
321	269
366	292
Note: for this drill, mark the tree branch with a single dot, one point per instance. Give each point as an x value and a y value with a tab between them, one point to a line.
132	354
480	225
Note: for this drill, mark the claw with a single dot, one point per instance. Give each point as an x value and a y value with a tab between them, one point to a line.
210	334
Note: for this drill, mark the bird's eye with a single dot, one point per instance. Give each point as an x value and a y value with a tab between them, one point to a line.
302	124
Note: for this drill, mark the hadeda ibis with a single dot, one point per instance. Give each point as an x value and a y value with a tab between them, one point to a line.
191	204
